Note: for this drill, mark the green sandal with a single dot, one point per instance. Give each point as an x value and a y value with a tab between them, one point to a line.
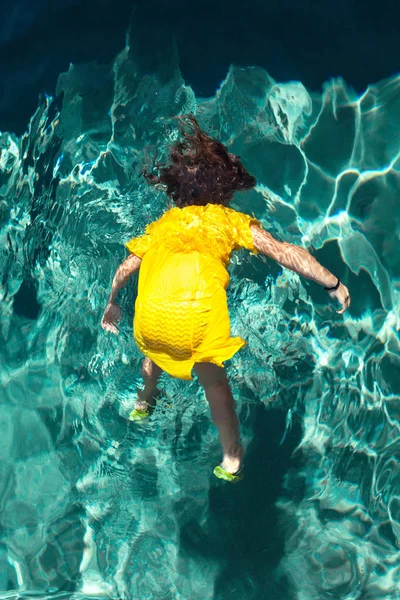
220	472
139	414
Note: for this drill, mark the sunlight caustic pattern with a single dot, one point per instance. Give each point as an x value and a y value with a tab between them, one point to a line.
94	506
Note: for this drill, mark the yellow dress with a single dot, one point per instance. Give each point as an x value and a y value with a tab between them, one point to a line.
181	312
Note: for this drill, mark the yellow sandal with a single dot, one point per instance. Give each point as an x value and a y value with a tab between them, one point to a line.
221	473
139	414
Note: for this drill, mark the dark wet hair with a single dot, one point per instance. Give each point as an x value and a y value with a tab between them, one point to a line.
201	170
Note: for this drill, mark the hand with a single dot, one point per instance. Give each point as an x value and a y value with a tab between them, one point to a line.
342	296
112	315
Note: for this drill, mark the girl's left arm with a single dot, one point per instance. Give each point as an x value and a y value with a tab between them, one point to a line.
112	313
300	261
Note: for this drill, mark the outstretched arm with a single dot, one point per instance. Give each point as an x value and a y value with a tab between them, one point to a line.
299	260
112	313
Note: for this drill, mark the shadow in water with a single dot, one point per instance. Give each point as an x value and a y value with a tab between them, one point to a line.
25	301
243	531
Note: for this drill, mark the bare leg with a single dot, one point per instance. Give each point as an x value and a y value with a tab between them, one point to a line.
223	414
150	373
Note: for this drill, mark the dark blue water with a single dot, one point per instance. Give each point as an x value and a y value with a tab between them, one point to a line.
308	41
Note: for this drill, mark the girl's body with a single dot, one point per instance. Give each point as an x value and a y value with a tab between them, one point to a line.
181	316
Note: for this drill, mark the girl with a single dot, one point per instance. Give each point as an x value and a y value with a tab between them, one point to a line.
181	319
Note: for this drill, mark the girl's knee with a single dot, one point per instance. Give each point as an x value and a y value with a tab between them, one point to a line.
210	375
150	369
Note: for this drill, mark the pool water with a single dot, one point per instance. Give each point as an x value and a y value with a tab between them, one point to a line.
93	505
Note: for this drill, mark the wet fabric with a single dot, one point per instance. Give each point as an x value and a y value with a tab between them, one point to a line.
181	312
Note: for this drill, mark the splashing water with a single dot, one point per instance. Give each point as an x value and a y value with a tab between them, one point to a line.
93	505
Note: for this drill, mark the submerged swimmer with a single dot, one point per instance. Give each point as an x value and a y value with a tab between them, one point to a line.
181	321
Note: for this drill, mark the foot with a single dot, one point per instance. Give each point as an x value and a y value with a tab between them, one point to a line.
231	464
141	411
221	473
144	406
147	399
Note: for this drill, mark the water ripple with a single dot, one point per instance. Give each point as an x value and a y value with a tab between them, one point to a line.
95	506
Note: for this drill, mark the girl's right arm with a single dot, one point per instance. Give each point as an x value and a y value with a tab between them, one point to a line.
299	260
112	312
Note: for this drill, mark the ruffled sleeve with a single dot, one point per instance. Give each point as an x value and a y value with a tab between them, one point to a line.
140	245
241	229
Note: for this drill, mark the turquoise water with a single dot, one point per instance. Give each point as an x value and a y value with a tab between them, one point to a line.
93	505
